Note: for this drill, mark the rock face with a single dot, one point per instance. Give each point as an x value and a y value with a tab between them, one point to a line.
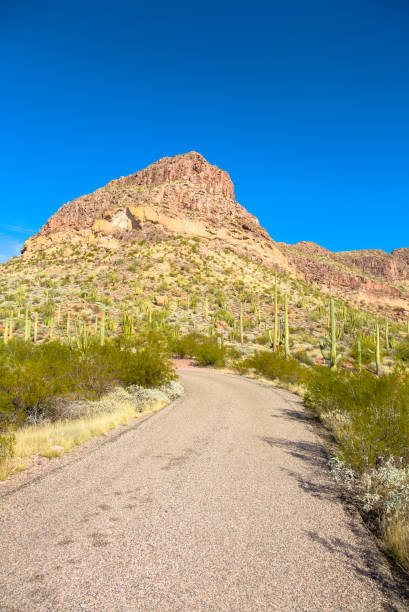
372	276
182	194
185	195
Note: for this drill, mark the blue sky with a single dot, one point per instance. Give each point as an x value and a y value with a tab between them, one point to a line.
305	104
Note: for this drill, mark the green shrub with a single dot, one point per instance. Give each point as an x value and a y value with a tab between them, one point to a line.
374	412
402	350
275	366
303	357
224	315
208	353
202	348
186	345
35	379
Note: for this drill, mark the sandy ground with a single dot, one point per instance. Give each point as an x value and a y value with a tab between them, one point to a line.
221	501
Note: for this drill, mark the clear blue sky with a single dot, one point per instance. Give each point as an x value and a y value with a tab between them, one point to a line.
304	102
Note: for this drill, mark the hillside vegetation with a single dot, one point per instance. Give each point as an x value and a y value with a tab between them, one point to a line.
165	263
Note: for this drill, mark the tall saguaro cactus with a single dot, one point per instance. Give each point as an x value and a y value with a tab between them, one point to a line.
331	355
377	350
275	340
358	356
286	333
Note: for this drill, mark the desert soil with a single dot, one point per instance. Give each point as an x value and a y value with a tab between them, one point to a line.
222	501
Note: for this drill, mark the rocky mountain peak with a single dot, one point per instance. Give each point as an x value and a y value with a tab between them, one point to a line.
182	195
189	167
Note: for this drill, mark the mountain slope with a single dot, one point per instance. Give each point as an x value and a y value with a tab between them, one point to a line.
186	196
171	248
182	195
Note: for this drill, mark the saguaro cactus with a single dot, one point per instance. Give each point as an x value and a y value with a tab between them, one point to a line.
377	350
358	356
286	333
275	341
6	331
331	340
69	324
206	308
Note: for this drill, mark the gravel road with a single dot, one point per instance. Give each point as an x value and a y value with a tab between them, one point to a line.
221	501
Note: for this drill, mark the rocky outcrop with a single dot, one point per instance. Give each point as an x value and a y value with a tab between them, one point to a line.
176	195
185	195
372	276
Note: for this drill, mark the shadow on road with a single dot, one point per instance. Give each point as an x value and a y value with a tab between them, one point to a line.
363	560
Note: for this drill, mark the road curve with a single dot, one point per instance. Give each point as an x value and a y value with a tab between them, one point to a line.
222	501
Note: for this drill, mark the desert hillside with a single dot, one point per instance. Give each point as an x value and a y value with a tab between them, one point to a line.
170	246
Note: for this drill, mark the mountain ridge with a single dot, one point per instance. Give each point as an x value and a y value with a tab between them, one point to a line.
186	195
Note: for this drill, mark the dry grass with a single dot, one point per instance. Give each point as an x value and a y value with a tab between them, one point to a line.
396	538
53	439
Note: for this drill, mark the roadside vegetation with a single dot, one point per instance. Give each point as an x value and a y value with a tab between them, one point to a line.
56	395
79	323
368	416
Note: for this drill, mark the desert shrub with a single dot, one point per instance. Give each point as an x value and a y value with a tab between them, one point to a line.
303	357
376	411
185	346
36	379
224	315
208	353
275	366
202	348
402	350
264	339
367	349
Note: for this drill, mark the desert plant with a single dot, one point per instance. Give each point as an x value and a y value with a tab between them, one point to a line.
331	341
275	366
275	339
286	332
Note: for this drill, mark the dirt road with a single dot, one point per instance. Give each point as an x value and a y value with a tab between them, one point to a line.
222	501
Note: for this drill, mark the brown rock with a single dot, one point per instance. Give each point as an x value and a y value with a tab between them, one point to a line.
160	300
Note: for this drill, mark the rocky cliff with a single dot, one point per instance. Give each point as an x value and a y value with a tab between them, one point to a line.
367	275
186	196
182	195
